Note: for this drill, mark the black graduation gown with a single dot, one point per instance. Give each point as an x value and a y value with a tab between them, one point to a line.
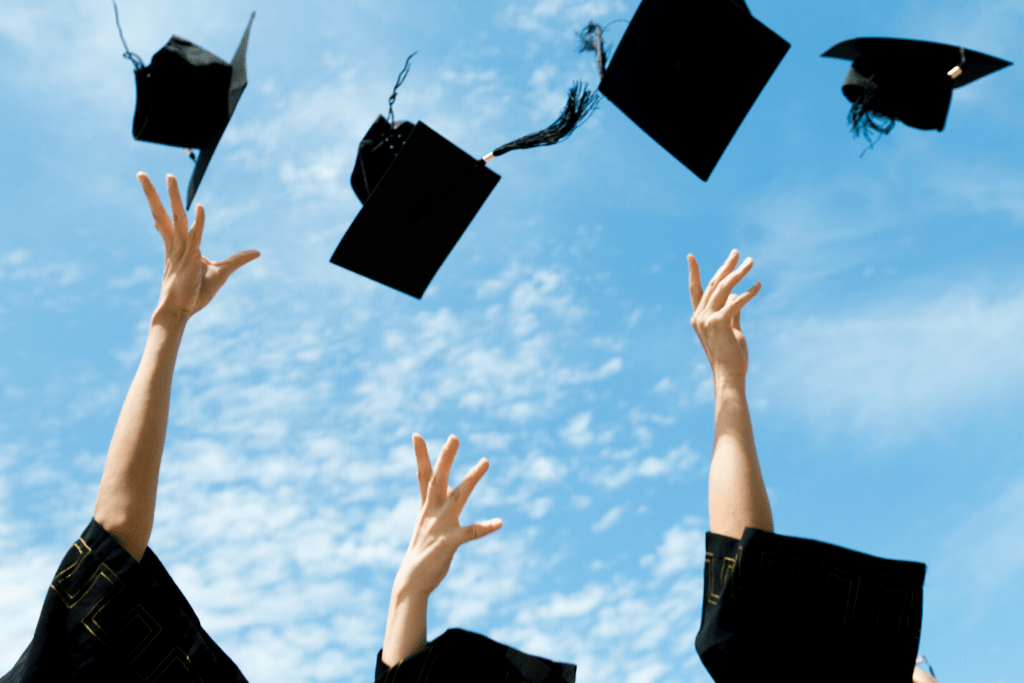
110	618
793	609
459	656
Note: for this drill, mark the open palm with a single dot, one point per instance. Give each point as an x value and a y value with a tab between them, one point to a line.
190	279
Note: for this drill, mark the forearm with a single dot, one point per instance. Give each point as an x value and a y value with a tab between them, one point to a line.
406	630
127	495
736	493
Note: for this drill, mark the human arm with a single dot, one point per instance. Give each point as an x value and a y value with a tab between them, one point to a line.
736	493
435	538
126	499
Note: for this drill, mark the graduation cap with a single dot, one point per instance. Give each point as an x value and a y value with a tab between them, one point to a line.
907	80
688	72
186	96
420	192
794	609
459	656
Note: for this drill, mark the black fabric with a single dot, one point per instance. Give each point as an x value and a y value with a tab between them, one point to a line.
186	97
110	619
181	96
377	150
416	213
459	656
688	72
793	609
909	80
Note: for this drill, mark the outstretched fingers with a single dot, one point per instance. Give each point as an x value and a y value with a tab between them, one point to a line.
696	291
423	469
160	218
179	218
458	497
720	295
195	235
736	302
726	267
437	492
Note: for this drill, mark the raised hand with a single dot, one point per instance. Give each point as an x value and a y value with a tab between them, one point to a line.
190	279
716	314
438	534
435	539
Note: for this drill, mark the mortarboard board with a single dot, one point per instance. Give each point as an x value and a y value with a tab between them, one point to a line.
417	210
688	72
420	192
907	80
459	656
186	96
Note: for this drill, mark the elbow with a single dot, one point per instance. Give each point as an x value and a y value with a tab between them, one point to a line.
124	531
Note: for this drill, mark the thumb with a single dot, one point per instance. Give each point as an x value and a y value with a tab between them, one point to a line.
236	261
479	530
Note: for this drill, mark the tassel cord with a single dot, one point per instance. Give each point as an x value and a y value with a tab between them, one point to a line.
128	54
394	93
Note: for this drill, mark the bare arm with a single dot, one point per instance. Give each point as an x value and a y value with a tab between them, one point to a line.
127	494
736	493
435	539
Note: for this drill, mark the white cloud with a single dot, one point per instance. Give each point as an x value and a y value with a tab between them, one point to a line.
536	508
545	469
578	604
492	441
577	431
24	579
681	548
140	275
967	557
547	17
623	465
20	265
899	369
608	520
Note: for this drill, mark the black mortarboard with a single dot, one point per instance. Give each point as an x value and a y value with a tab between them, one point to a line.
907	80
688	72
186	96
459	656
420	192
794	609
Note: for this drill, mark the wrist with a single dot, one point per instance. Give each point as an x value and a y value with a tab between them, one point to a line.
169	317
402	593
730	379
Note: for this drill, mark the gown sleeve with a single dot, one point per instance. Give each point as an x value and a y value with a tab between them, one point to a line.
110	618
459	656
784	608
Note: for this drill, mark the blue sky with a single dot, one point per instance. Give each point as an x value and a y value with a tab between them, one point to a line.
885	347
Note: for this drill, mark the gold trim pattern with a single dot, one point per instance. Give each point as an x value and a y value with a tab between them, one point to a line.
103	586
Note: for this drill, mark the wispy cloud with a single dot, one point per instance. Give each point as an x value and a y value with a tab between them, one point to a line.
608	520
901	368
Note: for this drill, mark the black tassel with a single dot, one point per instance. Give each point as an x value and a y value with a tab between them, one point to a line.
863	119
580	106
592	40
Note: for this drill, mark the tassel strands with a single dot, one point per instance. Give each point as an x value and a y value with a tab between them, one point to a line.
580	105
592	40
863	119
